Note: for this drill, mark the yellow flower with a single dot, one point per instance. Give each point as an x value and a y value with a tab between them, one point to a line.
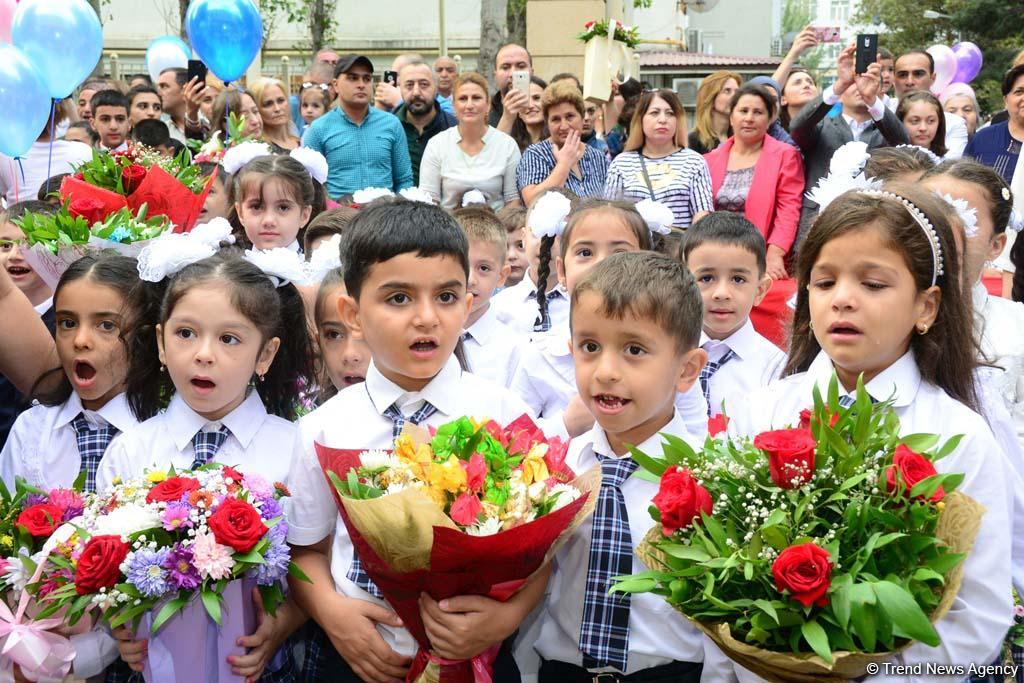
156	476
534	466
447	476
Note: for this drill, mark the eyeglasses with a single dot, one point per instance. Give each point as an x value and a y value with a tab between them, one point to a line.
308	84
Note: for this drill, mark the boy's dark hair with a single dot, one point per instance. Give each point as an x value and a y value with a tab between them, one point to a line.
108	269
968	170
50	186
109	98
84	125
384	230
151	133
725	227
139	90
329	223
888	163
180	75
646	284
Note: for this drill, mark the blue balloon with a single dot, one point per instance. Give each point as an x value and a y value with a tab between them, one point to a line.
226	34
62	38
24	101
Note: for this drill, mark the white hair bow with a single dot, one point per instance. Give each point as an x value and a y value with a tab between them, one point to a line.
547	217
239	155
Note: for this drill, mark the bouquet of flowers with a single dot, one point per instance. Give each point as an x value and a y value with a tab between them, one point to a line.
174	188
83	225
29	518
469	509
810	553
176	556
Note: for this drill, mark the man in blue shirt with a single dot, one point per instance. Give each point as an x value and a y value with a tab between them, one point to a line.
364	146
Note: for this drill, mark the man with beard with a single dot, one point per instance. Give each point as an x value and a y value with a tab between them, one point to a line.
420	114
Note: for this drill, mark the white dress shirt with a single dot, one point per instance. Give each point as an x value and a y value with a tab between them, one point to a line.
516	306
493	349
448	173
258	442
658	634
757	363
355	419
43	450
974	627
999	323
546	380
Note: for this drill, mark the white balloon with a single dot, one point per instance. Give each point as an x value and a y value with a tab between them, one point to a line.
164	54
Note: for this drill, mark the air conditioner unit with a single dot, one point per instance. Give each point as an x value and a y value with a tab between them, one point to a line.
694	40
686	88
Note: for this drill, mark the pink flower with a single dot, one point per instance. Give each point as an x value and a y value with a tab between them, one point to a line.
466	509
476	472
211	558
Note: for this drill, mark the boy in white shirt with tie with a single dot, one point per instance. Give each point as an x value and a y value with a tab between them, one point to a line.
636	320
726	254
492	348
406	277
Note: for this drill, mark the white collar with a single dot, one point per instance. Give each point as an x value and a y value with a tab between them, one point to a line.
652	446
115	412
441	391
488	328
244	421
44	306
899	382
743	342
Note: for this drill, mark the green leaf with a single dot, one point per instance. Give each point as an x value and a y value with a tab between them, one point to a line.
906	615
211	601
815	636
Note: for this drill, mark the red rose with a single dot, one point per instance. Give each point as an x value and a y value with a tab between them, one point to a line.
680	500
131	177
40	520
717	424
237	524
99	566
805	571
790	455
913	467
92	210
171	489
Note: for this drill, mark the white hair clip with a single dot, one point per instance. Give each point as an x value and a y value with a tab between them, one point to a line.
367	195
473	197
170	253
926	225
324	259
280	264
547	217
314	162
968	215
659	217
936	159
415	194
239	155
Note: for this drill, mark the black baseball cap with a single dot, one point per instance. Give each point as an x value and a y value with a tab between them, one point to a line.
346	62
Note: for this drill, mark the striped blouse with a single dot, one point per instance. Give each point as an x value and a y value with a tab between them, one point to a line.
680	180
539	160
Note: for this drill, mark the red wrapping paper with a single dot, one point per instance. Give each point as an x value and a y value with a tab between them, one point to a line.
460	564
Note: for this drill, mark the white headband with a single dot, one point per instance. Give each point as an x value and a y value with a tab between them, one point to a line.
170	253
547	217
921	220
658	216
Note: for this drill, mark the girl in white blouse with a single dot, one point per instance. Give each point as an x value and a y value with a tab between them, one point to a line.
878	296
228	344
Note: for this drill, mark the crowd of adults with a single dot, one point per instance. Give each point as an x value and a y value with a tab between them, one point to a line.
754	148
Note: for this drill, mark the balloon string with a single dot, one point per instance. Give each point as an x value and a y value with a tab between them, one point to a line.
53	131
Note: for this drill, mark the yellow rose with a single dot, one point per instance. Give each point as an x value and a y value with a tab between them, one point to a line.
448	476
156	476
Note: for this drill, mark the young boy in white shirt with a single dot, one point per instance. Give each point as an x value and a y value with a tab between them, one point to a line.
726	255
636	320
406	277
492	348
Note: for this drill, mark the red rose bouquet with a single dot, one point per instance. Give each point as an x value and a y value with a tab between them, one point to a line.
809	553
177	556
468	509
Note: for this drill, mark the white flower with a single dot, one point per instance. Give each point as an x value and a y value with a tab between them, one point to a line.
367	195
968	215
213	233
325	258
169	253
659	218
547	217
280	264
314	162
488	527
473	197
127	520
415	194
566	494
239	155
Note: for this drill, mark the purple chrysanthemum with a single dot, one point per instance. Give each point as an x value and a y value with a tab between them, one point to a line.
183	573
148	572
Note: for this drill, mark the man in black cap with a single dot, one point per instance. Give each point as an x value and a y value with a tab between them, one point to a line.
364	146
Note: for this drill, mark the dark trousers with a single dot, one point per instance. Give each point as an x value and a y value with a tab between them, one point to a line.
323	663
676	672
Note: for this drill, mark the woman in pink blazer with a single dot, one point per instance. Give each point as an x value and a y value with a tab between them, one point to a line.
754	174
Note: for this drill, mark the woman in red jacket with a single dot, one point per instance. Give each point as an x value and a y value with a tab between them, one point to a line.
758	176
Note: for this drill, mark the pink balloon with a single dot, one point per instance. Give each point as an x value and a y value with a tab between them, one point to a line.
945	67
7	8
